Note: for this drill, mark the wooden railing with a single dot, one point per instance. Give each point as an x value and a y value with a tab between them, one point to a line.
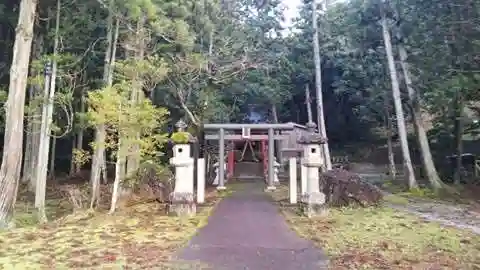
340	162
339	159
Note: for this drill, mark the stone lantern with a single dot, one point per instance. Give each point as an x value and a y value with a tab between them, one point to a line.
182	199
313	200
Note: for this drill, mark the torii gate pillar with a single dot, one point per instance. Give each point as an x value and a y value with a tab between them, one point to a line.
231	161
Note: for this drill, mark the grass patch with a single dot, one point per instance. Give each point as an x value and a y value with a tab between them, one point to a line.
396	199
138	237
384	238
26	214
466	195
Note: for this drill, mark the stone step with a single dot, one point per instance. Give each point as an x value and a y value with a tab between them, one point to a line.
249	177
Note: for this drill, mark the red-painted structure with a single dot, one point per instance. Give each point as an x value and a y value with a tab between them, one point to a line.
262	138
269	136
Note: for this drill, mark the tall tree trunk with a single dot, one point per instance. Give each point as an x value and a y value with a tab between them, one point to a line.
388	123
110	83
274	114
15	109
33	129
126	164
42	161
120	164
108	80
99	159
318	85
402	130
458	133
133	160
427	159
119	174
46	127
308	102
114	52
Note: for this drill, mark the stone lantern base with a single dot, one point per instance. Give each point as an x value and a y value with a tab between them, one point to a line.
313	204
182	204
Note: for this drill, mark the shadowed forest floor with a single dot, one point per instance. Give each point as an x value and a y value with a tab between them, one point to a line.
137	237
384	238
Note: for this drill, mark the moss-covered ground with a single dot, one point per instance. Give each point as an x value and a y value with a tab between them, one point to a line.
384	238
141	236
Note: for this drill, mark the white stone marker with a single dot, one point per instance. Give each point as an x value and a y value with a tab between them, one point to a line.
200	180
216	181
292	164
276	169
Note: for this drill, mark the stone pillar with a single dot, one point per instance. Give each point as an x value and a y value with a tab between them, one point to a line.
292	166
271	160
314	200
303	176
230	160
221	160
201	180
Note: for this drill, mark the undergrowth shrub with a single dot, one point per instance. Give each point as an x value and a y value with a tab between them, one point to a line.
151	181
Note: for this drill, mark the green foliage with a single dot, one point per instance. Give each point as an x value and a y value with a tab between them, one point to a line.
150	171
113	108
180	137
149	71
80	157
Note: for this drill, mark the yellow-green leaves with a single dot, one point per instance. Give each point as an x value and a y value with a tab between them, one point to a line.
112	107
180	137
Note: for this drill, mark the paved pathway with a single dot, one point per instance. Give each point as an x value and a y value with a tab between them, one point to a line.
246	232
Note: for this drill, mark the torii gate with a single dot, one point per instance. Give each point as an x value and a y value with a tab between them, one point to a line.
246	128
